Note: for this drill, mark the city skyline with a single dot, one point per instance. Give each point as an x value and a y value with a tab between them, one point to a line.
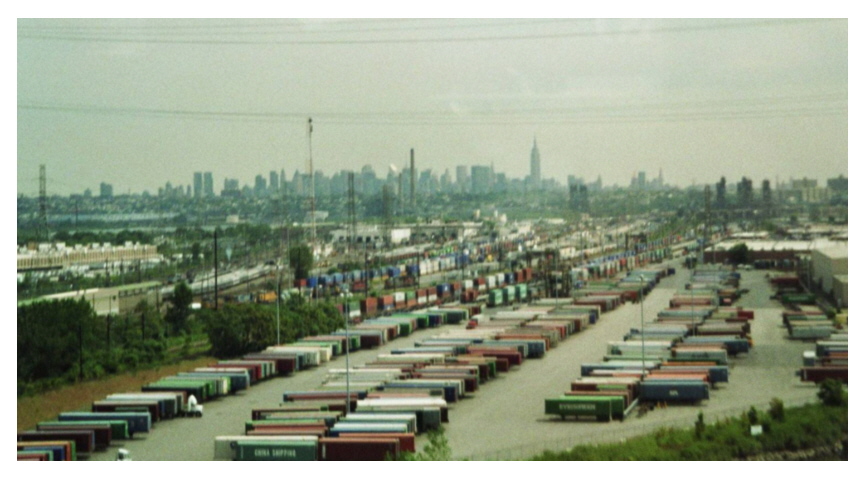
135	103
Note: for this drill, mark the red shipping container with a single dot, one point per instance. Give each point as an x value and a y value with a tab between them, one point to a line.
357	448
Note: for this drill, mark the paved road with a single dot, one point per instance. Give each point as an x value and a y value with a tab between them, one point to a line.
505	419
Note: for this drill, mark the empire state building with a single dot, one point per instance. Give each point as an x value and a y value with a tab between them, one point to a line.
535	176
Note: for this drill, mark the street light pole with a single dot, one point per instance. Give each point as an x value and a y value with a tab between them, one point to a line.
347	347
693	316
642	330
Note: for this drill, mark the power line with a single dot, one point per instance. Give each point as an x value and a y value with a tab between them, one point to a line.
478	38
293	27
739	109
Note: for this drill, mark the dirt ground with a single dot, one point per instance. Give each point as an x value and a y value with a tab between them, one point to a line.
46	407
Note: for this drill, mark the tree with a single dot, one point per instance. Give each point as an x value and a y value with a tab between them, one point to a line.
831	393
301	260
181	303
196	252
739	254
776	409
699	426
237	329
56	338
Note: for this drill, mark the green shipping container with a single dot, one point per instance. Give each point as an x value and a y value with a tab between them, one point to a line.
276	451
603	408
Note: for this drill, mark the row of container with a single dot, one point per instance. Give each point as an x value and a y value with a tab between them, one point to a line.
668	360
827	361
423	380
320	425
604	392
804	320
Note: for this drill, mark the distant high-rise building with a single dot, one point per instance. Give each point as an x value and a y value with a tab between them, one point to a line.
482	179
208	183
445	181
837	184
283	186
767	193
260	186
274	183
106	190
578	196
231	187
427	183
368	181
745	192
298	182
197	184
462	179
535	165
803	183
721	193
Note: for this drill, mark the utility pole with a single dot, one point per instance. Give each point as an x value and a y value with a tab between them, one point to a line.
215	272
42	225
352	214
708	198
413	204
312	187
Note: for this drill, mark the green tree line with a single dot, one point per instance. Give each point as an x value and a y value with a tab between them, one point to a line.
64	341
240	328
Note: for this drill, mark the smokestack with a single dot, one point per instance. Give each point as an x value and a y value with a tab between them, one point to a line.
412	178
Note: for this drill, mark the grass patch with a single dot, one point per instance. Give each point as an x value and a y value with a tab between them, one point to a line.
806	427
80	396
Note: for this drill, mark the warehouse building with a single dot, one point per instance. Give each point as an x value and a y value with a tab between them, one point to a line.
829	271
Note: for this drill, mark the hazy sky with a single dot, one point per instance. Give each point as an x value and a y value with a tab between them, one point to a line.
136	103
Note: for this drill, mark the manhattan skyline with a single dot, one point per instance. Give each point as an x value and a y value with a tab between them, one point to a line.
136	103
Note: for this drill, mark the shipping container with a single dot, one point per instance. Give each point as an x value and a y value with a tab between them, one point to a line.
599	407
684	390
359	448
59	450
84	440
138	422
119	428
255	449
101	433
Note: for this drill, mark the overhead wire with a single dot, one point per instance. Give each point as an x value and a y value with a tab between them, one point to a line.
733	24
735	109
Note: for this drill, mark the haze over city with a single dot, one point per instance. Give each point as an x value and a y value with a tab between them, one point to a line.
136	102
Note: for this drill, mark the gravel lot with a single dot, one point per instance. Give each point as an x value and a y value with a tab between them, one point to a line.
505	418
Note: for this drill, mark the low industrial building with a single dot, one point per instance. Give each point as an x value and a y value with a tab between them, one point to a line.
829	271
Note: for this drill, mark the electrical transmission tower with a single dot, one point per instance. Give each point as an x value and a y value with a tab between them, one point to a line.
352	214
42	226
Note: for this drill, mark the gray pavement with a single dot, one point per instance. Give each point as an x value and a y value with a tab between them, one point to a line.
505	418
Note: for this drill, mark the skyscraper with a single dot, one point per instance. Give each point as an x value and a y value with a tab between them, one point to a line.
274	183
462	179
208	183
197	184
535	166
482	179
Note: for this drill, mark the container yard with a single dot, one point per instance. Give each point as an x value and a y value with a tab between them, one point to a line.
504	356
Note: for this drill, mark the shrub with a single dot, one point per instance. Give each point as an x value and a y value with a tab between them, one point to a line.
776	409
699	426
831	393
